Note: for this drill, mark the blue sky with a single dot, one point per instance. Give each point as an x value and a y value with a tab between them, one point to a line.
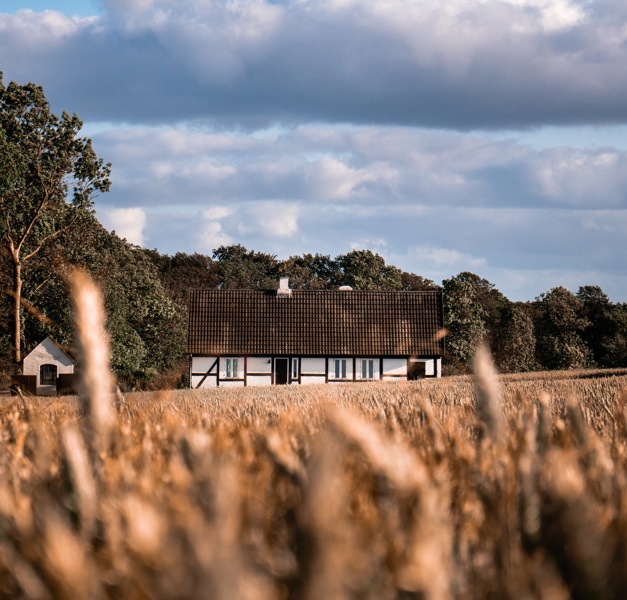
479	135
81	8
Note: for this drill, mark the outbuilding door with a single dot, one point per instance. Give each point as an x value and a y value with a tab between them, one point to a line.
281	371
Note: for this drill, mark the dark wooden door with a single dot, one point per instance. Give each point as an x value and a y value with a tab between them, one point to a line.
281	370
416	370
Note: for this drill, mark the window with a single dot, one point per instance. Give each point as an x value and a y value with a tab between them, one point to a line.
231	368
294	368
339	368
48	375
367	368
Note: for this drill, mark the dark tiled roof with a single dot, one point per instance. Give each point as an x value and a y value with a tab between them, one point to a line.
246	322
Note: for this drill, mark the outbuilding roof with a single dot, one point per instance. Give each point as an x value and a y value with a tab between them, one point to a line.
315	323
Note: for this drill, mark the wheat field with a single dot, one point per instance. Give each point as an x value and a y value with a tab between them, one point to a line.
482	487
457	488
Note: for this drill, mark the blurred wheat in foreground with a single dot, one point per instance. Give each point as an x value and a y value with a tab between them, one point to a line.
457	488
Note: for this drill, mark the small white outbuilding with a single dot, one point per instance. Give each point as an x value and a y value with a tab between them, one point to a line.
47	362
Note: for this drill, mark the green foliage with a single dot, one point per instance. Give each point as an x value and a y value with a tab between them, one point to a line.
411	282
44	162
49	177
365	270
560	322
464	317
240	269
606	331
182	272
146	327
515	344
310	271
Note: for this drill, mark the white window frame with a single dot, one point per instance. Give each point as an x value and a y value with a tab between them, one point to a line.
366	368
230	368
339	368
295	368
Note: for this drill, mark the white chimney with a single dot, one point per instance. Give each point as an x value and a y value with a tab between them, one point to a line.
284	287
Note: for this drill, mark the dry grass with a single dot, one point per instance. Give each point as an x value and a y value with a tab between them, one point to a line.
458	488
364	491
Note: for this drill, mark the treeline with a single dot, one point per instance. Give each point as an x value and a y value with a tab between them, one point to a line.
146	299
558	330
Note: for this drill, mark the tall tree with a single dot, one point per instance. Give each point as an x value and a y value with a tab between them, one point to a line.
560	323
411	282
182	272
309	271
606	331
49	175
515	340
365	270
240	269
464	317
473	310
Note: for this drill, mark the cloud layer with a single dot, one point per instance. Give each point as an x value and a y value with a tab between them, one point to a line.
323	125
464	64
432	202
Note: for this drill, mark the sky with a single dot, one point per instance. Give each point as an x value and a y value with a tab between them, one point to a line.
446	135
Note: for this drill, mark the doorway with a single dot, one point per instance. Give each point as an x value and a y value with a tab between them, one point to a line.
416	370
281	371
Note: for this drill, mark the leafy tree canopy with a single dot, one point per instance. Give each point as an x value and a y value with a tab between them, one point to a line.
49	176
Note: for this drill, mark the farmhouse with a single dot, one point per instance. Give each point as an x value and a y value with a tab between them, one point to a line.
245	337
48	369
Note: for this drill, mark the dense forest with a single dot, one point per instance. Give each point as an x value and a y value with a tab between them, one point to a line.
49	178
146	295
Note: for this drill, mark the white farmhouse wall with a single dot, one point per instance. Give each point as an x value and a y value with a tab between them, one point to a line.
210	382
314	366
257	380
306	380
229	383
395	366
201	364
257	370
259	364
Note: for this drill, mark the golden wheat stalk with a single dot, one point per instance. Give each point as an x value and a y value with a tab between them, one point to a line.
82	478
488	393
97	383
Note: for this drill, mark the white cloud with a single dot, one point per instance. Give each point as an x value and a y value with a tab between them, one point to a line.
128	223
445	258
269	219
579	177
215	213
212	234
553	15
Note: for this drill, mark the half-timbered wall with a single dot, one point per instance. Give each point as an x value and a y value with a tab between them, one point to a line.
212	371
313	370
